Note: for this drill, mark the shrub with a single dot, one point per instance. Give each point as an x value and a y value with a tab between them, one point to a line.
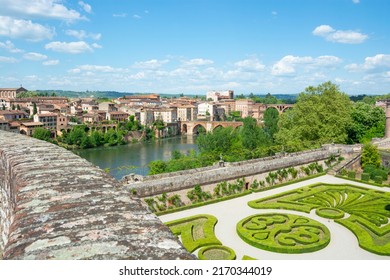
375	171
352	174
343	172
378	179
365	177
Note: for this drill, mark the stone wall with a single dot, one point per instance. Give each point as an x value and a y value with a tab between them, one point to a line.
55	205
176	181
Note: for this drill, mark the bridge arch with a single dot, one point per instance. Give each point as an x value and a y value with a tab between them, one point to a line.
198	129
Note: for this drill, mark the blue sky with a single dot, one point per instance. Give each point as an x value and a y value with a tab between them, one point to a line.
193	46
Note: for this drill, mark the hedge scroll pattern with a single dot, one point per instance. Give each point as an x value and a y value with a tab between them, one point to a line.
198	232
361	210
283	233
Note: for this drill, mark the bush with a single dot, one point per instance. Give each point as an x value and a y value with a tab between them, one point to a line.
378	179
352	174
365	177
343	172
375	171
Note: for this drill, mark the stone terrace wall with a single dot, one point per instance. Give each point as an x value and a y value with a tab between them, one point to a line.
181	180
55	205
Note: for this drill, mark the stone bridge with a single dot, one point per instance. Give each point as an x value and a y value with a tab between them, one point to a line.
55	205
192	127
280	107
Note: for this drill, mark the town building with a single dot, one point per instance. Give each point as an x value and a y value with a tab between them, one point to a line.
119	116
187	112
206	111
167	115
219	95
28	128
11	92
10	115
49	121
107	107
245	107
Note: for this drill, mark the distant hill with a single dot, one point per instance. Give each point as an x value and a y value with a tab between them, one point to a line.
81	94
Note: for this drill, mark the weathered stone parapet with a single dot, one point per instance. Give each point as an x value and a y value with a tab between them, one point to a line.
176	181
55	205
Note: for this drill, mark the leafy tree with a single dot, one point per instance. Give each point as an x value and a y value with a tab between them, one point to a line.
252	134
157	167
35	110
271	118
18	107
13	107
321	115
370	156
368	121
42	134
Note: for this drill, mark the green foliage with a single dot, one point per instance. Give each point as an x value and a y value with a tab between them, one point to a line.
368	121
365	177
378	179
196	231
295	234
321	115
367	219
370	156
271	119
352	174
216	252
42	134
375	172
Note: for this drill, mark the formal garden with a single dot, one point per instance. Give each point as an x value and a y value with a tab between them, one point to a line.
278	227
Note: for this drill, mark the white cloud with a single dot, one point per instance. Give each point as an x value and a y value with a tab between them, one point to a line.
377	63
9	46
34	56
123	15
86	7
72	47
82	34
340	36
197	62
137	16
150	64
99	68
6	59
356	1
24	29
96	46
39	8
51	62
250	65
289	64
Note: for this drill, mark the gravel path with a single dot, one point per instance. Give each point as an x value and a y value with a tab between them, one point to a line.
343	245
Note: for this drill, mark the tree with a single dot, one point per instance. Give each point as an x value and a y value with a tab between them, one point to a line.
368	121
18	107
13	107
271	118
321	115
370	156
35	110
42	134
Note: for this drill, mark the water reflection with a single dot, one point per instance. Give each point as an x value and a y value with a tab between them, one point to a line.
134	158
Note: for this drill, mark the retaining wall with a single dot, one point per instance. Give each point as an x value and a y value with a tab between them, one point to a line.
55	205
176	181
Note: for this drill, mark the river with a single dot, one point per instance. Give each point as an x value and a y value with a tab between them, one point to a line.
134	158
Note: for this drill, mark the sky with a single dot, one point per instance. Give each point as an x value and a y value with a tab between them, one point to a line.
194	46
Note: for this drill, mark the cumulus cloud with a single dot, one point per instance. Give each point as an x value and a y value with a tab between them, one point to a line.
377	63
51	62
82	34
39	8
34	56
250	65
150	64
96	68
198	62
339	36
24	29
123	15
288	65
86	7
72	47
356	1
9	46
6	59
